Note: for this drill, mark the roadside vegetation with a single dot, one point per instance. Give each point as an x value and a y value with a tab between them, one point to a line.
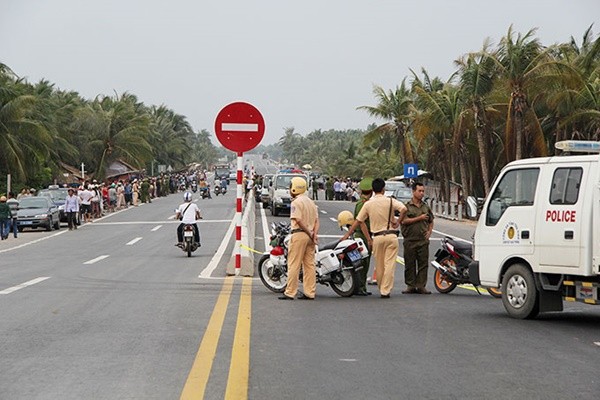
504	102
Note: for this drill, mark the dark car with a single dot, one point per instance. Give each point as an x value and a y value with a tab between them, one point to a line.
57	195
35	212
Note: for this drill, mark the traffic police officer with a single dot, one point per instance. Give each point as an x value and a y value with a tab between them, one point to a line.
304	228
416	229
366	190
381	211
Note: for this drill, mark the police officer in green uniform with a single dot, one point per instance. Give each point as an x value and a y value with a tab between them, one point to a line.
366	190
416	229
145	191
315	189
329	189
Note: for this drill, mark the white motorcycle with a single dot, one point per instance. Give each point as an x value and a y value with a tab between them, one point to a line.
336	263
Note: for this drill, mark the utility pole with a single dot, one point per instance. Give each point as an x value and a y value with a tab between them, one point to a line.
83	172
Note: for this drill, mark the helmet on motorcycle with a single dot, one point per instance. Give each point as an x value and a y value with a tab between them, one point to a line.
187	196
345	218
297	185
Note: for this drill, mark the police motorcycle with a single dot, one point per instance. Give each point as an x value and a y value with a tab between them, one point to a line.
189	244
451	265
336	263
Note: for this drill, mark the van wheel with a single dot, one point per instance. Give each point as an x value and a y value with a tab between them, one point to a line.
519	293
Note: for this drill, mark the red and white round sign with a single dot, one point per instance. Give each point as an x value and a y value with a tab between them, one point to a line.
239	127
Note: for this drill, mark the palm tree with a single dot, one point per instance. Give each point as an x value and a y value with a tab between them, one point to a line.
524	65
117	128
23	141
394	106
476	73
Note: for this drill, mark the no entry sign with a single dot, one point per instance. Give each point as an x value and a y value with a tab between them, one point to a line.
239	127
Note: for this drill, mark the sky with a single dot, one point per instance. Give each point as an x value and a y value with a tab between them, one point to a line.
306	64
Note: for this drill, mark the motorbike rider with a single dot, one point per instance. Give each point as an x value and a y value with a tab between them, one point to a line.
304	225
204	187
188	213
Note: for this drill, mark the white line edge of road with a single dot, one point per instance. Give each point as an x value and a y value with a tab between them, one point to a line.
95	260
214	262
24	285
265	226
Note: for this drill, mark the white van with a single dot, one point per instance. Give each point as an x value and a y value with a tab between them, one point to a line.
279	191
538	235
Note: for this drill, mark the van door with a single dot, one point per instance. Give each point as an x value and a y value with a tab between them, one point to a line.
559	238
507	224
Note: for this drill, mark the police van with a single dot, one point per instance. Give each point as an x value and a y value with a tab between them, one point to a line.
538	236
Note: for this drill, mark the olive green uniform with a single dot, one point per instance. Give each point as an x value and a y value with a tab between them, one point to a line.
328	190
416	246
145	191
361	286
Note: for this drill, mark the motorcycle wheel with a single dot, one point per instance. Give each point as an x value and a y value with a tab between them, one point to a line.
442	283
265	272
494	292
343	282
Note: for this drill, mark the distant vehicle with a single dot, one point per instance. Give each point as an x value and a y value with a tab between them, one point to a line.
233	176
36	212
58	195
265	196
392	186
265	156
279	191
403	194
222	171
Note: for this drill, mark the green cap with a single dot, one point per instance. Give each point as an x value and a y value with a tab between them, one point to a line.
366	184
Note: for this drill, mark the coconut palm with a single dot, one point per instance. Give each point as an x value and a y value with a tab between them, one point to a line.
117	128
524	67
476	73
394	106
23	140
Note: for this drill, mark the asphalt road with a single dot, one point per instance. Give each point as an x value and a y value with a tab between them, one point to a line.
141	324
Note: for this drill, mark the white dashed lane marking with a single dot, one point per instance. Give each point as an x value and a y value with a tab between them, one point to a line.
95	260
156	228
134	241
24	285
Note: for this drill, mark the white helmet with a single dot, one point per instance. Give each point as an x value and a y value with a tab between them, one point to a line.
187	196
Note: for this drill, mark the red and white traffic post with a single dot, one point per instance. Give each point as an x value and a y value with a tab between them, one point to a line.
239	127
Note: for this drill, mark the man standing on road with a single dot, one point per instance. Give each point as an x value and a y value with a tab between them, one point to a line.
72	208
416	229
13	204
381	210
304	228
5	217
315	189
86	203
328	189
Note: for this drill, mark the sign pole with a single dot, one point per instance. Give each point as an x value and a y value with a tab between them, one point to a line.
238	214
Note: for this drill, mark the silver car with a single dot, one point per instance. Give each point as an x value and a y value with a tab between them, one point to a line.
35	212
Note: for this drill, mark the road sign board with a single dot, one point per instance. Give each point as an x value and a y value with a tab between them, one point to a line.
411	171
239	127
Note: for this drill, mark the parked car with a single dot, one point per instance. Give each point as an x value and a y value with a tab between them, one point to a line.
35	212
57	195
233	176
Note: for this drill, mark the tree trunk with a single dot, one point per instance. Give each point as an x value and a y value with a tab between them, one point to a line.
483	150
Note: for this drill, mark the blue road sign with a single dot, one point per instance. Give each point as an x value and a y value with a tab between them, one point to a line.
410	170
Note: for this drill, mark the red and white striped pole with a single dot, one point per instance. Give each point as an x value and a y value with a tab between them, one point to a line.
238	214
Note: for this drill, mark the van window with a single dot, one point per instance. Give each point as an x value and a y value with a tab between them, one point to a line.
516	188
565	185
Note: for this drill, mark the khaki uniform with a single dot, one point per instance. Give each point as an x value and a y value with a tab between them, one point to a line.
301	250
385	247
416	246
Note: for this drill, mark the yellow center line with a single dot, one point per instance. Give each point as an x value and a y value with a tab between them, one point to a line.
239	368
198	377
